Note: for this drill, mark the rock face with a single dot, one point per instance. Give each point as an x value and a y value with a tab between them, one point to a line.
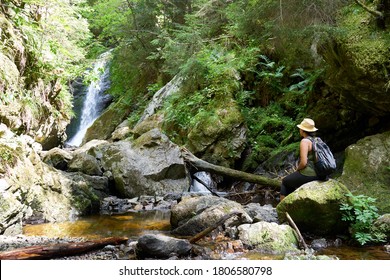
29	188
366	169
194	214
30	101
314	207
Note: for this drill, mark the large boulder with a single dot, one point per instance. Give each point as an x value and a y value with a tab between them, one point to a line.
315	207
194	214
366	169
152	165
268	237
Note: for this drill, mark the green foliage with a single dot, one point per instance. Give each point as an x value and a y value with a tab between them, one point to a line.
46	40
8	158
180	114
361	213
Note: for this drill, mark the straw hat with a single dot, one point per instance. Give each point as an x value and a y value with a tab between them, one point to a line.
307	125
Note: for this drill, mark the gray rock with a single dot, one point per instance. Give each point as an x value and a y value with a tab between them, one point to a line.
33	189
194	214
318	244
151	166
162	247
58	158
259	213
86	164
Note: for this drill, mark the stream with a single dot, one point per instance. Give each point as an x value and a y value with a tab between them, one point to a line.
135	224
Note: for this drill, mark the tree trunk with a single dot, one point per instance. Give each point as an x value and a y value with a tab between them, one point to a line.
236	174
59	250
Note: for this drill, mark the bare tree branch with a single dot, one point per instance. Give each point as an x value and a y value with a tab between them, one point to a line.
368	9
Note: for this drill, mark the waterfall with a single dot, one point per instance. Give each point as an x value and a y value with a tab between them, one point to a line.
198	187
94	101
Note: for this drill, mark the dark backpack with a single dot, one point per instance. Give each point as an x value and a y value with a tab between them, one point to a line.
324	162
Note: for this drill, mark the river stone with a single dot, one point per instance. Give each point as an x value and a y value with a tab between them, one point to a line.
151	166
268	237
366	169
58	158
162	247
315	207
194	214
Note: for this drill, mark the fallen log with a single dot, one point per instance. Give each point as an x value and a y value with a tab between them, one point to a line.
41	252
225	171
203	233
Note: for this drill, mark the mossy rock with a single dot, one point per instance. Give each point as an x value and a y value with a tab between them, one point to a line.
219	136
315	207
382	225
367	169
268	237
359	62
106	124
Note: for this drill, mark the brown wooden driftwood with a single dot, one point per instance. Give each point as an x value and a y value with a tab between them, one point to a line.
232	173
60	249
296	230
203	233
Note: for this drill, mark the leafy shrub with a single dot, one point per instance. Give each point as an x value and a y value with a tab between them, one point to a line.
361	213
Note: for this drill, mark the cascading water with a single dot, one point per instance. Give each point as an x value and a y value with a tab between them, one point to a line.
95	100
205	178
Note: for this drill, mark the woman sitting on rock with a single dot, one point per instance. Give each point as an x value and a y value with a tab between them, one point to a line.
305	171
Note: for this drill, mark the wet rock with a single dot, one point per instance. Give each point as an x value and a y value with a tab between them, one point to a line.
319	244
105	124
163	247
31	188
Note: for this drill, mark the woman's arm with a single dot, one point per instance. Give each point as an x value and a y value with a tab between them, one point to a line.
304	148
